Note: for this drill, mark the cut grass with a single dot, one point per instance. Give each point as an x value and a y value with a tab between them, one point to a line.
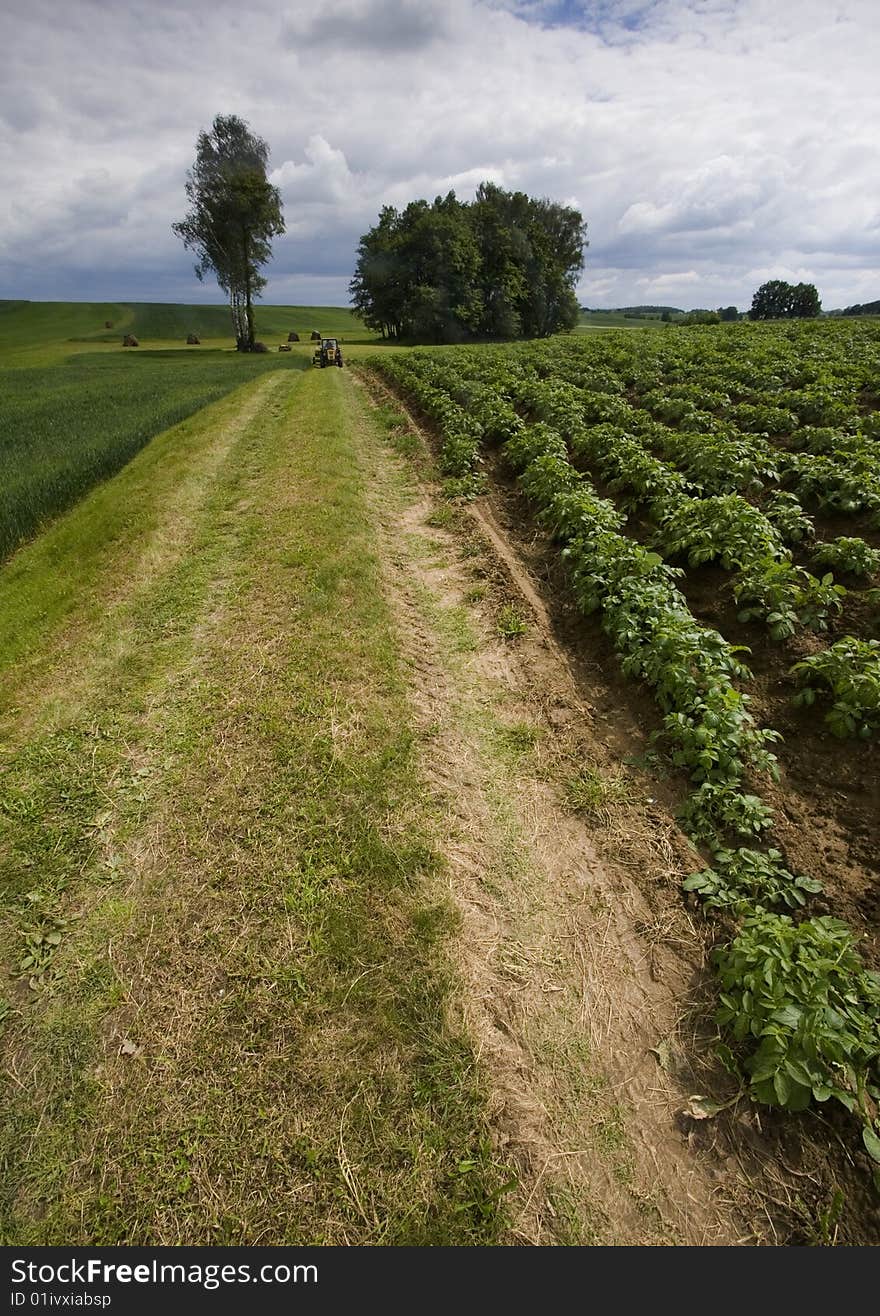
57	591
245	1034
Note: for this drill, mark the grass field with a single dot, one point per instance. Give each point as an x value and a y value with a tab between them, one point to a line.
76	406
246	628
67	427
64	429
38	332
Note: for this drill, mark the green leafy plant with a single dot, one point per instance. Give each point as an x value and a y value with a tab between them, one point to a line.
724	529
785	512
785	596
806	1012
510	624
848	554
745	880
850	671
719	808
40	940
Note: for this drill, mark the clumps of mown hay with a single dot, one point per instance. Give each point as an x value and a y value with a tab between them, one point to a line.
130	341
292	337
259	347
193	340
108	324
316	337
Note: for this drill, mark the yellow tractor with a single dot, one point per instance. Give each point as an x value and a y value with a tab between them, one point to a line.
328	354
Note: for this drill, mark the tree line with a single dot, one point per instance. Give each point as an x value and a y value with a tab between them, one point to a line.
502	266
862	308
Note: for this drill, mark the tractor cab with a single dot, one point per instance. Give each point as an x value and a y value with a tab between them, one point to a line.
328	354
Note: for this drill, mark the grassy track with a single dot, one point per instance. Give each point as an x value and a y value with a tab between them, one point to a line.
236	1022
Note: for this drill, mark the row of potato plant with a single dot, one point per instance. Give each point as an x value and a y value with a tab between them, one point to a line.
769	586
806	1021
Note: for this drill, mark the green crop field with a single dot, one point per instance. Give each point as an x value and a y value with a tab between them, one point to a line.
65	427
347	715
76	405
713	496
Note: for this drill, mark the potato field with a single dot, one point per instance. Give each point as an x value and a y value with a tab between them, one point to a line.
710	501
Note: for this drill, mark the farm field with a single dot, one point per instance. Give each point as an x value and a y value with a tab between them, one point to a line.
713	501
66	428
35	333
589	321
345	889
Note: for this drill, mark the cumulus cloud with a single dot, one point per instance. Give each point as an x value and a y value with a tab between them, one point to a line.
705	141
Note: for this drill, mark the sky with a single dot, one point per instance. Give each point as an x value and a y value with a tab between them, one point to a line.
710	145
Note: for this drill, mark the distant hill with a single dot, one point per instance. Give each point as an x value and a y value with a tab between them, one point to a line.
633	310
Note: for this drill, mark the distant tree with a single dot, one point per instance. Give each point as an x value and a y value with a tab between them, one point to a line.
778	300
860	308
805	304
728	313
503	266
501	221
700	316
234	212
666	317
417	273
771	301
557	237
377	289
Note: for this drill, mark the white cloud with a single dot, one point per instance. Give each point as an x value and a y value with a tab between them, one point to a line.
704	140
663	282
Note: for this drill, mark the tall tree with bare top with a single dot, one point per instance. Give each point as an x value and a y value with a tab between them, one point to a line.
234	212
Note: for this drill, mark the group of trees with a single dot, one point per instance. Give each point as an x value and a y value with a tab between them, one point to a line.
502	266
778	300
700	316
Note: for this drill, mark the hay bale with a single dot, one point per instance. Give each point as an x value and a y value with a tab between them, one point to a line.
293	338
108	324
259	347
316	337
130	341
284	347
193	340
